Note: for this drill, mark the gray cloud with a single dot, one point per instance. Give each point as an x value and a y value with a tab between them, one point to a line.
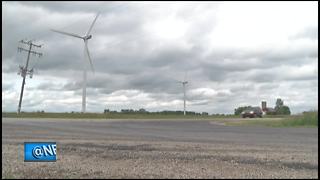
70	7
308	33
129	54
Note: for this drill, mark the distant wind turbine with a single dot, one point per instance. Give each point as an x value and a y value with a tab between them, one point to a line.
85	38
184	82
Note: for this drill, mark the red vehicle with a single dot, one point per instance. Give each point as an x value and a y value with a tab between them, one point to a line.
252	112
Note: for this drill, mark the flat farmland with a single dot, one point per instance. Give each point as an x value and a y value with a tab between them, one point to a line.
88	148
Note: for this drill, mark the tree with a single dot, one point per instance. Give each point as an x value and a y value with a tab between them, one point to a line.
239	110
204	114
283	110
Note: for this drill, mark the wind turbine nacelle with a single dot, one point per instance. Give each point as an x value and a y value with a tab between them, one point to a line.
88	37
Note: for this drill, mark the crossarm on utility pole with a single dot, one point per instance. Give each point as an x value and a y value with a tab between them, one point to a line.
33	52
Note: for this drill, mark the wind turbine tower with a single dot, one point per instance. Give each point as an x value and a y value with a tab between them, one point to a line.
184	82
184	96
85	39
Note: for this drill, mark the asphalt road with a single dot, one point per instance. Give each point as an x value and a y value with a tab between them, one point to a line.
159	149
185	131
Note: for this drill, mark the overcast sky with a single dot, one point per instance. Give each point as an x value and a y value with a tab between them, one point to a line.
232	53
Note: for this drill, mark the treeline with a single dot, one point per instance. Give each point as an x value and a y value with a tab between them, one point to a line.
139	111
239	110
165	112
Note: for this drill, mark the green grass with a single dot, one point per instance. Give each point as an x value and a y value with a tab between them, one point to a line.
108	116
308	119
112	115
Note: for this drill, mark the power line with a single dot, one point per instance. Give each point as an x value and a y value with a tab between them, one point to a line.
24	71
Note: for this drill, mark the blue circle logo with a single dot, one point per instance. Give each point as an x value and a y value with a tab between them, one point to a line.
37	152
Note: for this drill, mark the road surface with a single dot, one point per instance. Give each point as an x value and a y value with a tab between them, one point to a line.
160	149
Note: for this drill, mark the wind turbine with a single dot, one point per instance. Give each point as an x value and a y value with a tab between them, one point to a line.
85	39
184	82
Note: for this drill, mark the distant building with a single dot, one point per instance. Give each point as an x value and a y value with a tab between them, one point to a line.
271	110
279	102
266	109
142	110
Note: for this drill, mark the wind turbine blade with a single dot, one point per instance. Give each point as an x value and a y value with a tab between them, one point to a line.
65	33
176	81
88	54
92	25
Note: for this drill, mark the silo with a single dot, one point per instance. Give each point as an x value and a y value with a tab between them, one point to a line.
264	105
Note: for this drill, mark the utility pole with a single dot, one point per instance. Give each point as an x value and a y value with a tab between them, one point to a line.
24	70
184	99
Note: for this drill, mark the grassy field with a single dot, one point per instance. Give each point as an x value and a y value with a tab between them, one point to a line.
308	119
110	116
